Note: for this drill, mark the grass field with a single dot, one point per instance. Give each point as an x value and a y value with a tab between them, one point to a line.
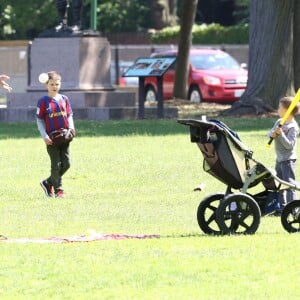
133	177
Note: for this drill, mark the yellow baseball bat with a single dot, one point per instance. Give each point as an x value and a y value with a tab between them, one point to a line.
287	113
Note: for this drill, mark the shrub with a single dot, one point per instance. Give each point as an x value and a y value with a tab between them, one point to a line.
206	34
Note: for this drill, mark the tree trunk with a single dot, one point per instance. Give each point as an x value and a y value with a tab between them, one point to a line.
185	40
297	45
270	74
163	13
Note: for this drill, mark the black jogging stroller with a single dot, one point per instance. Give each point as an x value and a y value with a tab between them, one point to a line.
226	158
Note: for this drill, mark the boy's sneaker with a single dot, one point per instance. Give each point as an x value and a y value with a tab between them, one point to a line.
48	188
59	194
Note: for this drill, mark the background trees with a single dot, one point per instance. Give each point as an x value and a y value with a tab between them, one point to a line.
25	19
224	12
274	63
122	15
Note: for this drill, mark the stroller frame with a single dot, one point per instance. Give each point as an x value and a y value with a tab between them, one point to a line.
227	159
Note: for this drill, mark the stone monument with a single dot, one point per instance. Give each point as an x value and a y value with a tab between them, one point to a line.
84	62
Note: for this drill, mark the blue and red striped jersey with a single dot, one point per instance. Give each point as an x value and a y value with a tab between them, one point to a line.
55	113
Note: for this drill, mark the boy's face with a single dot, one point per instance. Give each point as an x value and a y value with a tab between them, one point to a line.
281	110
53	86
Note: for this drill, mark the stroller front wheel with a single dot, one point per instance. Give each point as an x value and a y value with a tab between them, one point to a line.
206	214
238	214
290	217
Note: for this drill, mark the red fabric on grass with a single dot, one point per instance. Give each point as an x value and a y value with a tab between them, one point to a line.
78	238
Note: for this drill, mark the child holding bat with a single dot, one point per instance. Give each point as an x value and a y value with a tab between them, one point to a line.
285	139
54	113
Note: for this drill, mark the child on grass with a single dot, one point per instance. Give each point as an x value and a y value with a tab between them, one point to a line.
54	112
285	140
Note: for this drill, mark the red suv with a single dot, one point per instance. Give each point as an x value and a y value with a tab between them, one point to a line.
213	76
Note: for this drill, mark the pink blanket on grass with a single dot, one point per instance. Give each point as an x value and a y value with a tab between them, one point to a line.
78	238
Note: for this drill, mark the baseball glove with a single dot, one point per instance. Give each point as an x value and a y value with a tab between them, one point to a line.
62	136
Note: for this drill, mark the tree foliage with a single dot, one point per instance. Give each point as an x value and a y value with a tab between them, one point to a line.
25	19
206	34
123	15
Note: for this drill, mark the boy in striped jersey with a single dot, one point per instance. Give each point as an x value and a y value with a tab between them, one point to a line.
54	112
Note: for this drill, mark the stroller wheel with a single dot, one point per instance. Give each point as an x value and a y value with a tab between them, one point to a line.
238	214
290	217
206	214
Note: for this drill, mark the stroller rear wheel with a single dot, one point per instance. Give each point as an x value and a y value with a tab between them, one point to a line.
290	217
238	214
206	214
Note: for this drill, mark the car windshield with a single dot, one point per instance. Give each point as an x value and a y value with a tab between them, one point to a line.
212	61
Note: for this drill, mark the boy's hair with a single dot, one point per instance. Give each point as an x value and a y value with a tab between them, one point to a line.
54	75
286	101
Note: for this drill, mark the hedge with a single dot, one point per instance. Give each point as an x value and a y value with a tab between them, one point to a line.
206	34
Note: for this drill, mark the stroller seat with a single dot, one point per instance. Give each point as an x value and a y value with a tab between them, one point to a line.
225	156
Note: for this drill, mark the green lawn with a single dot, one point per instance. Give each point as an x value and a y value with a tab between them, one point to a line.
133	177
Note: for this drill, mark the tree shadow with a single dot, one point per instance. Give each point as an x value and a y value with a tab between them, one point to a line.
152	127
149	127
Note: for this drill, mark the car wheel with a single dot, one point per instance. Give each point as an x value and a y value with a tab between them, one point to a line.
195	95
150	94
